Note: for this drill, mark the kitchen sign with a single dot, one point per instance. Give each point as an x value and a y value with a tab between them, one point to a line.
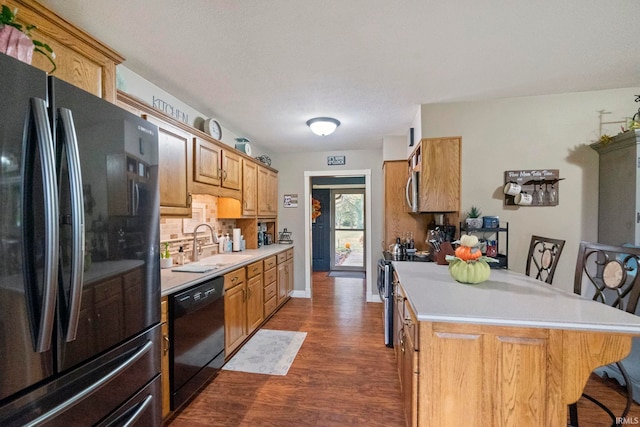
336	160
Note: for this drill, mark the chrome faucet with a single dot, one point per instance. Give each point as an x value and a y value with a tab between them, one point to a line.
196	249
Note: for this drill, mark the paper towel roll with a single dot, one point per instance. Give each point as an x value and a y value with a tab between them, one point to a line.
236	240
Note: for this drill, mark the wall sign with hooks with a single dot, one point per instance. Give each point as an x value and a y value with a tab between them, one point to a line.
537	187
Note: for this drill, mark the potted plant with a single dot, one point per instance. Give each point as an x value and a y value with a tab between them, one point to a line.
473	218
16	41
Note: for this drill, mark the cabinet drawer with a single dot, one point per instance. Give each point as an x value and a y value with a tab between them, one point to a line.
270	275
269	291
108	289
289	253
270	306
270	262
254	269
234	278
282	257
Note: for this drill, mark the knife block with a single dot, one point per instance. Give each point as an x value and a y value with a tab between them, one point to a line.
445	249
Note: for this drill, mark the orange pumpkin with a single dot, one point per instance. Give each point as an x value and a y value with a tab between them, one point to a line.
466	253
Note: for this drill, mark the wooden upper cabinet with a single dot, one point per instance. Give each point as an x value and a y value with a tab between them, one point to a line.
267	192
231	170
80	59
438	162
397	220
175	171
218	168
249	188
207	162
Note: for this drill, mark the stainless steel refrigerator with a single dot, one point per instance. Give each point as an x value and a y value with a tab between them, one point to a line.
79	257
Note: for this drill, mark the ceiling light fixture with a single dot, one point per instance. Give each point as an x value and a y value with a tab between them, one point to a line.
323	125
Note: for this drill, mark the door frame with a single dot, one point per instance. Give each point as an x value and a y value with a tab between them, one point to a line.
307	226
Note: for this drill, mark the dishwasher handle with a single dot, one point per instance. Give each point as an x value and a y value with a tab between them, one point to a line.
197	296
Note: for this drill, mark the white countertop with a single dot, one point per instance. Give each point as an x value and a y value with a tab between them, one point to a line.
172	281
506	299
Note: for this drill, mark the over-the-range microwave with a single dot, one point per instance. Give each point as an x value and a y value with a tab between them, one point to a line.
411	191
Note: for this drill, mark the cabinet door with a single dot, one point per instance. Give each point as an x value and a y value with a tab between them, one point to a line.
409	371
289	272
397	219
249	188
439	186
231	170
282	282
175	169
267	192
235	318
255	306
207	167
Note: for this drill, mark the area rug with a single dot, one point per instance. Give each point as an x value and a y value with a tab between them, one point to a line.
268	352
348	274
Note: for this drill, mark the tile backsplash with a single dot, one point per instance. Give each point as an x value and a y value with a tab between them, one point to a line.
179	231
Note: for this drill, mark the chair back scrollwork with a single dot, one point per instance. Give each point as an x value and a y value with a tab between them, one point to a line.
543	256
609	274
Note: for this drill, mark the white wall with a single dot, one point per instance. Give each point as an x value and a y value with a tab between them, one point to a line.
394	147
138	86
541	132
292	167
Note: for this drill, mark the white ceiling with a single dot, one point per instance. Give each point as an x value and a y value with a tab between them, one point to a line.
264	67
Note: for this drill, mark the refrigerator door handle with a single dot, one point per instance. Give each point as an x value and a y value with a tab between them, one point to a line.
142	406
77	214
42	419
136	198
40	120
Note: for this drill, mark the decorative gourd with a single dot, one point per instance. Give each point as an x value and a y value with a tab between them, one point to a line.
469	271
467	253
468	240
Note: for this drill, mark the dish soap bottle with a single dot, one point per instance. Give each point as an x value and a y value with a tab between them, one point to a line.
181	256
221	244
229	244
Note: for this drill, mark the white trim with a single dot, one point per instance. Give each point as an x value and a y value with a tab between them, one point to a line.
319	186
307	226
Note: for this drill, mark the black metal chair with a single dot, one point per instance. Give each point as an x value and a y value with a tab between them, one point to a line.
610	275
544	254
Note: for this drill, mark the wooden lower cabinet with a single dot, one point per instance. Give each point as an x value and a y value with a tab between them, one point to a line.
486	375
166	390
255	296
285	275
409	380
270	285
406	349
235	311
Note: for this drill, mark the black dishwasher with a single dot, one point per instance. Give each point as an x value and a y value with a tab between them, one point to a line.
196	328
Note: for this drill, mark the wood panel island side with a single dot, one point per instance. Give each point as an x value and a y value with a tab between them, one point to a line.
511	351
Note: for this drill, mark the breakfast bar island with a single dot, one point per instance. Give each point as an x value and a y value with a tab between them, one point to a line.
511	351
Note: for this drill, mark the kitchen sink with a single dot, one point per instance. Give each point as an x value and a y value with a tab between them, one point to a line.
222	260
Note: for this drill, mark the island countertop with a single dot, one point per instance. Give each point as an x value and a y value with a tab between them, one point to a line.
506	299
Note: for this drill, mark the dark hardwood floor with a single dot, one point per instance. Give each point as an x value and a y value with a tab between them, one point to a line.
343	374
